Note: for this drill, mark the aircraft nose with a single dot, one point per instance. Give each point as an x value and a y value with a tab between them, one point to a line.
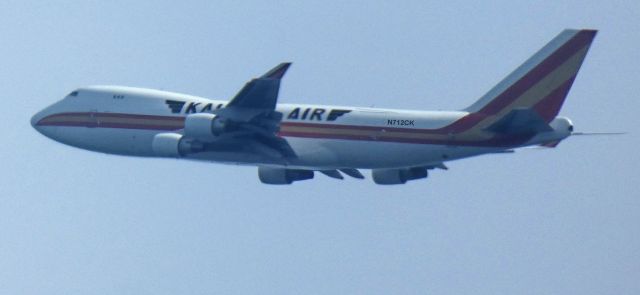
35	120
43	121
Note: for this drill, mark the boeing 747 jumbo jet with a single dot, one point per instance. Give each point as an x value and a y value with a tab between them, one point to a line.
290	142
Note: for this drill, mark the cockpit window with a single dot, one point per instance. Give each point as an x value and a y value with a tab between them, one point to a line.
74	93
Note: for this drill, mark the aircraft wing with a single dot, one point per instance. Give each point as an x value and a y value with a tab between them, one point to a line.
252	112
257	98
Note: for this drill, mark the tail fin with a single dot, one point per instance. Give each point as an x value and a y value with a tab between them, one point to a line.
543	81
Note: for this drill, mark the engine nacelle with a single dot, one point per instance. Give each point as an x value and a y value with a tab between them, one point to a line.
270	175
174	145
204	125
398	176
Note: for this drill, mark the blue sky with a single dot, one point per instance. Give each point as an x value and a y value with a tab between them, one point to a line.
534	222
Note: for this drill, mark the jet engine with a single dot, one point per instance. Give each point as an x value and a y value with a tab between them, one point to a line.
174	145
270	175
204	125
398	176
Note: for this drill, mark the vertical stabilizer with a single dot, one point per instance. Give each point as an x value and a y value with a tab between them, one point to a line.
542	82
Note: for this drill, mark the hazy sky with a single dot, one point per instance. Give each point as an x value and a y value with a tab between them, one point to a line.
561	221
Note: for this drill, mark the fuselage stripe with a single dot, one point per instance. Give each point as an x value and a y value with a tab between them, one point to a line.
288	129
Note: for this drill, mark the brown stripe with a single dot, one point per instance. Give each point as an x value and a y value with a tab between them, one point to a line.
579	41
549	107
289	129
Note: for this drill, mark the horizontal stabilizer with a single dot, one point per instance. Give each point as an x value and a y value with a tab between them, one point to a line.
551	144
520	121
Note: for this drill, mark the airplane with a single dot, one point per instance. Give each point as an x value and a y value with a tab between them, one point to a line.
290	142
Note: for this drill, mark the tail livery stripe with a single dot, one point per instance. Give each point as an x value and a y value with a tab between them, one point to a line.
549	106
550	71
533	71
569	45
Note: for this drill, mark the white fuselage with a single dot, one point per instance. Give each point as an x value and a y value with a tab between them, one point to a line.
124	121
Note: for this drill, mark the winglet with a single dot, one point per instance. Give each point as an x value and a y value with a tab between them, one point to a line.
277	72
259	94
